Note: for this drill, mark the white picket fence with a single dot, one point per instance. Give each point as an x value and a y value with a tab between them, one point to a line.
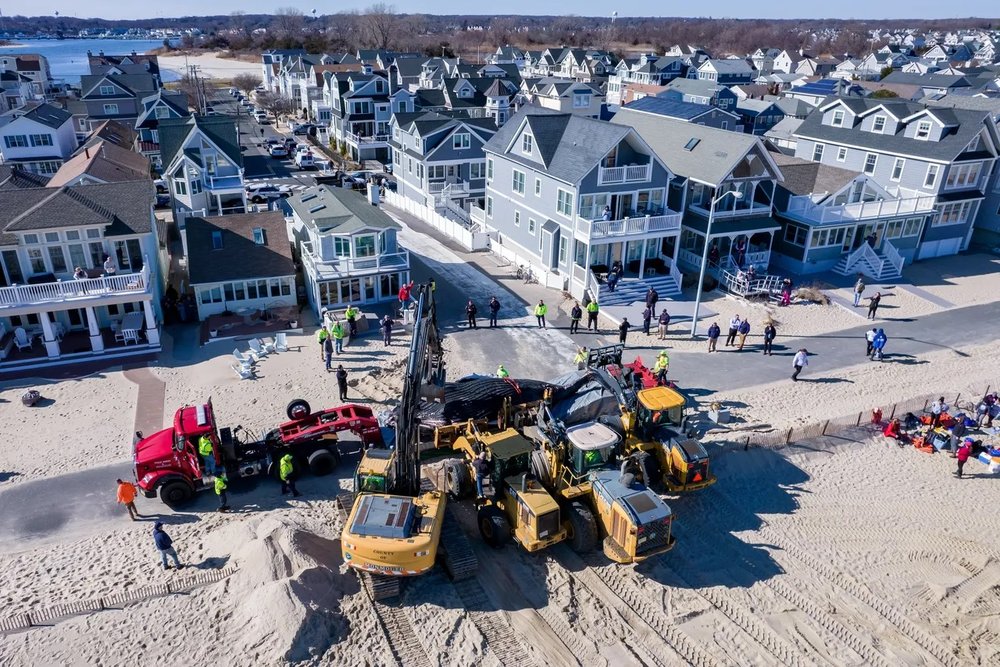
470	239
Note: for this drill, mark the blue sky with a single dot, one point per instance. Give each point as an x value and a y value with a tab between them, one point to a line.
112	9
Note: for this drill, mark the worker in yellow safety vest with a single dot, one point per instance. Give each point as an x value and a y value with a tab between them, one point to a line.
207	454
286	472
221	485
338	336
592	309
321	336
661	367
502	372
580	359
540	310
351	315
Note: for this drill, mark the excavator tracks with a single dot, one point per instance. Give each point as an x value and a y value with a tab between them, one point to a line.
500	639
455	550
403	641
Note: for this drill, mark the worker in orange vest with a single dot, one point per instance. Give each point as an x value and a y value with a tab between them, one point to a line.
126	496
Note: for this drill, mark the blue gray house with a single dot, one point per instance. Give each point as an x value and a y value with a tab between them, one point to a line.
689	112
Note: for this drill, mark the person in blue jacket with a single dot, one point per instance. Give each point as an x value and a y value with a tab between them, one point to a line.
878	344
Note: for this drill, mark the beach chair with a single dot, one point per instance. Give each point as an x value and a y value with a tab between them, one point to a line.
22	339
245	372
268	345
257	348
243	359
281	342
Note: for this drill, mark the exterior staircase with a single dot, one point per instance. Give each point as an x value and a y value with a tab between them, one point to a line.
884	267
630	290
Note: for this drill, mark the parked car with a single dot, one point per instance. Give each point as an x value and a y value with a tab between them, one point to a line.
303	129
233	92
272	141
161	185
358	177
262	192
162	200
278	151
262	118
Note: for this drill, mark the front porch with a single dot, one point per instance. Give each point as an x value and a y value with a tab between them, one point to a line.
644	260
732	246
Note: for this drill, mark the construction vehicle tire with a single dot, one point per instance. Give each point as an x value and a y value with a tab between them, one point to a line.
584	528
652	476
457	479
176	493
322	462
298	409
493	526
540	465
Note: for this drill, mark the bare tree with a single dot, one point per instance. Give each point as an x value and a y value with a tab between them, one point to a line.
275	105
379	25
246	82
289	20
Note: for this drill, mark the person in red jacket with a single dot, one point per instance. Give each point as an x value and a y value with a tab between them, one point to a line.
963	455
404	294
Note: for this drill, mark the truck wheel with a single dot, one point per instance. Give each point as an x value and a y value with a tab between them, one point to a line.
583	531
493	526
298	409
457	480
176	493
322	462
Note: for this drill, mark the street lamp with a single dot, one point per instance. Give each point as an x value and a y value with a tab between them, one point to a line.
704	255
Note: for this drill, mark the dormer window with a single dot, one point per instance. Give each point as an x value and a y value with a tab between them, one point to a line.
107	91
527	143
161	112
923	130
838	118
878	125
461	142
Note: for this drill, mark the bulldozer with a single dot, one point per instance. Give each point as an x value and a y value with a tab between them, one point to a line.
392	527
653	423
577	465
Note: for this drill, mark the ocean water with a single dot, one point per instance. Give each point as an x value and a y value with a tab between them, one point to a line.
68	57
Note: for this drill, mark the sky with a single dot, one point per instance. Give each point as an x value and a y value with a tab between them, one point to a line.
112	9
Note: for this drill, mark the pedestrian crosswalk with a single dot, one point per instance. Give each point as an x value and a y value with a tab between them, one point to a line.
295	187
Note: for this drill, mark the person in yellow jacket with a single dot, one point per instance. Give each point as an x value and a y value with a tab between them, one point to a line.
321	338
540	311
207	454
661	367
221	484
337	331
592	309
581	359
351	315
286	471
502	372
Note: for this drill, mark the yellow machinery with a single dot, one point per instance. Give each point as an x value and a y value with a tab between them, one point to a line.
392	527
576	465
653	421
515	505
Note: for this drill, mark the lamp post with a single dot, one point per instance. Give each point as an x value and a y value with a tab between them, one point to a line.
704	255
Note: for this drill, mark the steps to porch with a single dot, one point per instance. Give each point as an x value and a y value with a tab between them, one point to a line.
630	290
887	266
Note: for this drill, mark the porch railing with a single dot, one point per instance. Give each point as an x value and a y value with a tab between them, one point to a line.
866	255
361	139
647	224
477	214
624	174
762	257
92	288
892	256
803	208
346	266
722	213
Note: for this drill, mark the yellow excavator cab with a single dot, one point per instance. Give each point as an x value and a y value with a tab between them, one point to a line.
661	398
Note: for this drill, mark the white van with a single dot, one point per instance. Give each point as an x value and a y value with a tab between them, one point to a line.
305	160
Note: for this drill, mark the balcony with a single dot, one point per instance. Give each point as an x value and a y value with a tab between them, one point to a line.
224	184
741	211
633	173
804	209
452	187
478	215
358	139
638	226
82	292
344	267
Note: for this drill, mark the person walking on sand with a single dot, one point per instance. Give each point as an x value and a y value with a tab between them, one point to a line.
652	296
734	328
938	408
592	310
575	315
800	360
540	311
126	497
328	352
963	455
663	323
744	331
769	335
342	381
321	335
647	319
623	330
494	309
286	472
869	339
714	332
337	332
957	435
165	546
387	330
859	288
878	345
470	314
873	305
221	484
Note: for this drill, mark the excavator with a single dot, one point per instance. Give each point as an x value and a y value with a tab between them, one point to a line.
652	423
394	528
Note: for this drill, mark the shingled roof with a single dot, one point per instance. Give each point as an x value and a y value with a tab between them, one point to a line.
240	257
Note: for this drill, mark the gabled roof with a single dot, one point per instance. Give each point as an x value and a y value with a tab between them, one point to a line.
44	113
700	87
147	63
126	208
240	256
13	177
705	154
569	145
136	85
176	102
220	130
338	211
784	128
114	132
729	66
105	162
804	177
672	109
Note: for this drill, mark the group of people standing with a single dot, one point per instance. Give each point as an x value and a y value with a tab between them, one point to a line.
873	302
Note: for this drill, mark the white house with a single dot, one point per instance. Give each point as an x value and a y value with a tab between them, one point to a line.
38	137
203	164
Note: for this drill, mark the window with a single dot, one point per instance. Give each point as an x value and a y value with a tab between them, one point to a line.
725	125
93	233
871	159
258	236
216	240
517	218
52	237
923	130
912	227
795	235
72	235
342	246
818	152
36	260
930	179
955	213
531	226
211	295
107	91
538	187
420	171
110	109
564	203
517	182
364	246
962	176
489	169
563	249
16	141
489	207
409	165
841	154
41	139
822	238
476	170
897	169
461	142
527	144
878	125
161	112
581	101
180	188
435	172
838	118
